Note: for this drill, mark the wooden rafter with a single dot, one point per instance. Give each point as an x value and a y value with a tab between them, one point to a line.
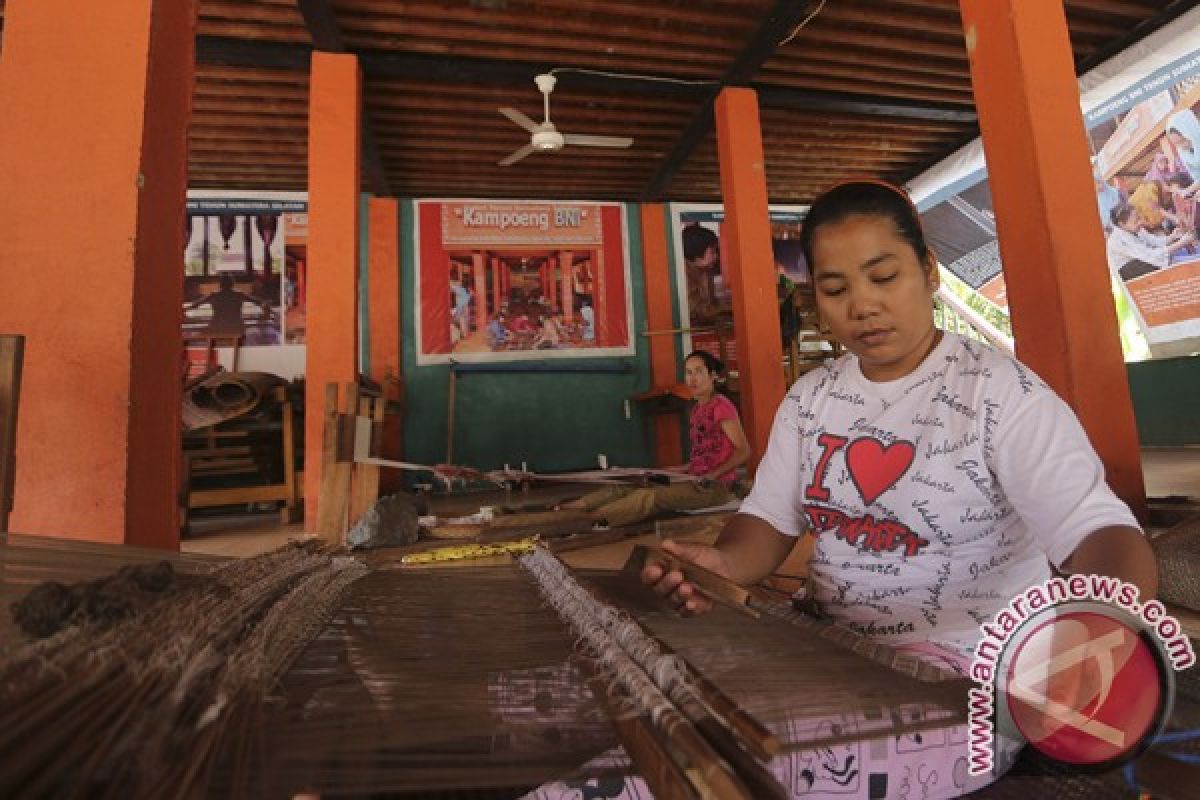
222	51
784	16
876	85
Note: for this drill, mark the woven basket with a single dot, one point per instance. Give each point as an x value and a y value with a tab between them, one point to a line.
1178	553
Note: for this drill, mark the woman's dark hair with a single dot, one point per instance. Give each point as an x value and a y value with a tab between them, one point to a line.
711	362
1180	179
1120	213
865	198
697	240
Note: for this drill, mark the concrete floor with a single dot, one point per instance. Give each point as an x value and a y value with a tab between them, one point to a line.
1169	472
245	534
1172	472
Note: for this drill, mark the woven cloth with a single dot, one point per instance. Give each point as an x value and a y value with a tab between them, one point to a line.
1178	553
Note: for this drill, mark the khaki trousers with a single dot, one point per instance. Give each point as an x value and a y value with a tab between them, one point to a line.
625	505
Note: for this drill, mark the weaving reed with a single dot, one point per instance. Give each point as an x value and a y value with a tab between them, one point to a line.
303	672
432	680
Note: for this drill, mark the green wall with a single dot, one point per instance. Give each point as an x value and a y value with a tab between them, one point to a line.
552	420
1166	400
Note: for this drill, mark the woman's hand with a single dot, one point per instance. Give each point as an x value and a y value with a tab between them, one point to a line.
747	551
685	596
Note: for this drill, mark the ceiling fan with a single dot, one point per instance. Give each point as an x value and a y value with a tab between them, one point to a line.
544	137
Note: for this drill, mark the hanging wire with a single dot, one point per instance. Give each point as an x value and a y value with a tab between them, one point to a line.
803	22
685	82
632	76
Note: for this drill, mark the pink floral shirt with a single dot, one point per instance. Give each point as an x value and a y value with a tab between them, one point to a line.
710	445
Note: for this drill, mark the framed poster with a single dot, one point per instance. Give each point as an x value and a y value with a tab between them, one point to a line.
517	280
702	272
244	260
1146	169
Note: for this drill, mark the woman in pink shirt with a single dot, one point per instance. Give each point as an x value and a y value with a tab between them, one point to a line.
718	448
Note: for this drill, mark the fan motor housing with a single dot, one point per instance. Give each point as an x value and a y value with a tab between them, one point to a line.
548	140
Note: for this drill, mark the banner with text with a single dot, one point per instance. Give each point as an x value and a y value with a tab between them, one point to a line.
514	280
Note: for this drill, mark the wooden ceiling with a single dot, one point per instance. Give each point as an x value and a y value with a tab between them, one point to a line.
846	87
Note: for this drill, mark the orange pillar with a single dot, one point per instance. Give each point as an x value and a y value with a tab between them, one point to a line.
600	299
383	277
497	295
656	267
566	268
479	293
93	165
1063	316
334	123
746	240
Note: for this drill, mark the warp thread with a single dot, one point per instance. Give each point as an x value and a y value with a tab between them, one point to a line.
647	680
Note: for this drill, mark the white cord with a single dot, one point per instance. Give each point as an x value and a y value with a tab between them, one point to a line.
661	79
632	76
800	27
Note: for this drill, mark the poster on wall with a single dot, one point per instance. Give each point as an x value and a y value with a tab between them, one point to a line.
244	270
702	272
515	280
961	230
1140	111
1146	169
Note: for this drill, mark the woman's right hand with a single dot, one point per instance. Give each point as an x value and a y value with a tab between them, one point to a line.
671	584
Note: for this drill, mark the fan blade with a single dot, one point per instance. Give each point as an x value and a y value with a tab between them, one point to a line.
519	118
516	155
587	140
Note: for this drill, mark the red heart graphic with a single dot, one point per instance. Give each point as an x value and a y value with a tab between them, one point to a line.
875	468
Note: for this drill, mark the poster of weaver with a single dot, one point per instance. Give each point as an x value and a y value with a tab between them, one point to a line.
516	280
244	270
1146	169
702	272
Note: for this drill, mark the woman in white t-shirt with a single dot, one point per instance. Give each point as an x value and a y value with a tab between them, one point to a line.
941	478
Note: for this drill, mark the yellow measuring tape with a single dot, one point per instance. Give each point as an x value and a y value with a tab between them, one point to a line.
456	552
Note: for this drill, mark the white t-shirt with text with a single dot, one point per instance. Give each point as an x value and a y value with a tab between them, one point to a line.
935	498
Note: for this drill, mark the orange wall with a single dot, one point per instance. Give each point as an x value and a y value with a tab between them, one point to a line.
383	285
96	98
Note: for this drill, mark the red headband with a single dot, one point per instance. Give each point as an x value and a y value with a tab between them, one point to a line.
878	182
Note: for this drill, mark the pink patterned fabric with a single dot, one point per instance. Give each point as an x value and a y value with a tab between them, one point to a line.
710	445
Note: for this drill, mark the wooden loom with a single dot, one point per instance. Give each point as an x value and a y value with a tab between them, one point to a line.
351	465
424	680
